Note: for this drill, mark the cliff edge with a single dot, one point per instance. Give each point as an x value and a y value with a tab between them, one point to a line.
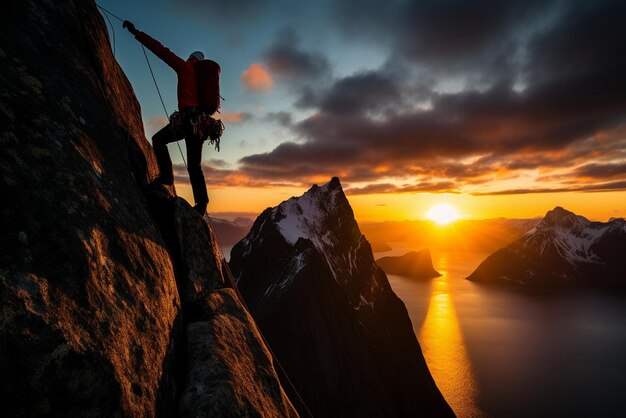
111	292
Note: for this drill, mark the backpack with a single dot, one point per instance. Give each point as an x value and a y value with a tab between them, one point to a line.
208	76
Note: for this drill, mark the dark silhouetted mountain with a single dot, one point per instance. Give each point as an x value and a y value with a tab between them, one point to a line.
380	246
564	248
415	264
112	293
230	232
345	339
486	235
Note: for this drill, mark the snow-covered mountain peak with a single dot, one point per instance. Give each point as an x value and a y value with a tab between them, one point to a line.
564	246
310	279
309	215
321	224
560	217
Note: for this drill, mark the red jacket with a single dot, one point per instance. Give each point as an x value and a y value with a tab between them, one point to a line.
187	84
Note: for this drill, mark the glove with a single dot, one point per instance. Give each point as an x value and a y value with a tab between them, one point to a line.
128	25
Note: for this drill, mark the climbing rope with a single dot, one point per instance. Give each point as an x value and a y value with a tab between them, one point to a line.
167	115
111	13
225	266
111	25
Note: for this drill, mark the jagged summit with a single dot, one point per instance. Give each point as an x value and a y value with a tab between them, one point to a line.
322	221
564	218
563	247
317	210
329	313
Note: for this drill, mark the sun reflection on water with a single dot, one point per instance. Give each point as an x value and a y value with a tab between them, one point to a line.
443	347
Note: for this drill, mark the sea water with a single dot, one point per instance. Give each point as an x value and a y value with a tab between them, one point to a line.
504	352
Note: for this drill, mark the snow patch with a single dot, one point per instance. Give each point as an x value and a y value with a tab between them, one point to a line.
306	217
573	243
294	267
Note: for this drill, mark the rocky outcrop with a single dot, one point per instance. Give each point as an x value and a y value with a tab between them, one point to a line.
93	260
414	264
214	387
328	311
91	313
564	248
228	370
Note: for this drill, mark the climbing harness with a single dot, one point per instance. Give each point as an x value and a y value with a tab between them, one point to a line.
206	127
212	130
106	13
203	125
162	102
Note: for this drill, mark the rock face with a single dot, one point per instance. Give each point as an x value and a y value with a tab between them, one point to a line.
215	387
563	249
415	264
93	260
90	305
328	311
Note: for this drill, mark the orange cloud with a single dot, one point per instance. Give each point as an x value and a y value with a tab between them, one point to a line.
154	124
233	117
257	78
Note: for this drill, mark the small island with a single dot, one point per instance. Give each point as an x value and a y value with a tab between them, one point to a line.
414	264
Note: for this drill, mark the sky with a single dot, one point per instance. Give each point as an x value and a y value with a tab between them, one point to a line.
500	109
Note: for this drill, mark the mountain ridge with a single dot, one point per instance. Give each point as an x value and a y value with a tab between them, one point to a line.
328	311
563	248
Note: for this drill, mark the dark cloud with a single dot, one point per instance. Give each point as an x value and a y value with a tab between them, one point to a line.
586	41
282	118
451	36
513	136
217	177
602	187
602	171
214	162
571	108
285	58
431	187
471	92
463	35
357	94
226	13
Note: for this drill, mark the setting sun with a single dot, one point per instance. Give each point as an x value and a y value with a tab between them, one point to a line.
442	214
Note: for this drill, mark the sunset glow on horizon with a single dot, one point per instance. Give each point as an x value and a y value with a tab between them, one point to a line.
508	121
442	214
252	201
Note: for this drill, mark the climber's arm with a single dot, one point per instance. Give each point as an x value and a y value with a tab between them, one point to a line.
155	46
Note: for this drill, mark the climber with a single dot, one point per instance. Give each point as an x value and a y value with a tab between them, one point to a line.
192	121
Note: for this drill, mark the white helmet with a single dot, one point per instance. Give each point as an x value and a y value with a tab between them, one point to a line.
197	55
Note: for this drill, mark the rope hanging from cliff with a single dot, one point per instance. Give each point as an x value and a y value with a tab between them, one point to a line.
111	25
112	14
225	265
167	115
